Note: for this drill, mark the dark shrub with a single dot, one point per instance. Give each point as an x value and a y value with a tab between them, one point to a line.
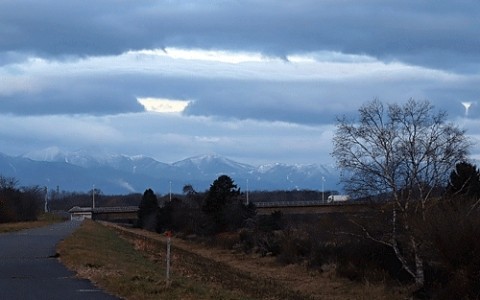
362	259
322	254
147	211
271	222
452	240
295	247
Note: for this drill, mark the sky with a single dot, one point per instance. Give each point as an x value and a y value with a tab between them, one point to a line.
257	81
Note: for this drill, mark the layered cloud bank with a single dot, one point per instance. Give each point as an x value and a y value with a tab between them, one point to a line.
256	81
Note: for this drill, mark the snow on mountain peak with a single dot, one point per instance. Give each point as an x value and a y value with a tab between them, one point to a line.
47	154
212	163
130	173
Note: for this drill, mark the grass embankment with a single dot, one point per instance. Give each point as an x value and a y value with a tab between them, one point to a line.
99	254
43	220
132	267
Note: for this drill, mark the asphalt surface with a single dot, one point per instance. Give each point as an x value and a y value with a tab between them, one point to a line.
29	268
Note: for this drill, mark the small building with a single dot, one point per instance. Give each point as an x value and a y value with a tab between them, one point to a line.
124	214
80	213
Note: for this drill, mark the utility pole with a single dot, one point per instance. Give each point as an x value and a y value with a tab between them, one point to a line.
170	191
247	193
93	197
46	199
323	190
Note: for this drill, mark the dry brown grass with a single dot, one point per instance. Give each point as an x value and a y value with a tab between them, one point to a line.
133	267
97	253
262	274
44	220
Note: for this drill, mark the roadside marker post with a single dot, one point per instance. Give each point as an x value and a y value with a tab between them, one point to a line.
168	234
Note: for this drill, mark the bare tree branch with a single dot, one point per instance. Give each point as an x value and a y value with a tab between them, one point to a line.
404	152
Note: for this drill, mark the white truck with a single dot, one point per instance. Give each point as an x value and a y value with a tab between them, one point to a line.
337	198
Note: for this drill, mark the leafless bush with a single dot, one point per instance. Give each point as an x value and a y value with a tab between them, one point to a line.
18	204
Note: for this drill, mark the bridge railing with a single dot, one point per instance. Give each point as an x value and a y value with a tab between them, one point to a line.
291	203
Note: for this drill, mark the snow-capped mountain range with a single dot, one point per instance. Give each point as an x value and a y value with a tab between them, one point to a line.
121	174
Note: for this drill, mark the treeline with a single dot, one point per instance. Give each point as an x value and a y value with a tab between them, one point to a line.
222	208
63	201
19	203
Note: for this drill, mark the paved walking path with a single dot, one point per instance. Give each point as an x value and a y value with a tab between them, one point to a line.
30	270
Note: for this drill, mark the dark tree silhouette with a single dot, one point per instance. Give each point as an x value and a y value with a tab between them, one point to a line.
464	181
18	204
222	191
147	211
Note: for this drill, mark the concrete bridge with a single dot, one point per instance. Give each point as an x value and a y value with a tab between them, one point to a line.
310	207
128	214
125	214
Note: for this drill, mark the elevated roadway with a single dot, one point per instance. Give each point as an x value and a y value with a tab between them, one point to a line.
310	207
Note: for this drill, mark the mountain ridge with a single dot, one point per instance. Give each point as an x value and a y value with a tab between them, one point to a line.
120	174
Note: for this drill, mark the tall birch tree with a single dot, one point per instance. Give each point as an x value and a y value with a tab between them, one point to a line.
404	152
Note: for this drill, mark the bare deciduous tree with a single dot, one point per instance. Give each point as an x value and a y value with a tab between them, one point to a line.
405	152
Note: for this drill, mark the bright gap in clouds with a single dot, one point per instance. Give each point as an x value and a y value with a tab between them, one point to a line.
206	55
163	105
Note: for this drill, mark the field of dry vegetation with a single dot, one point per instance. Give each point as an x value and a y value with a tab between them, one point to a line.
43	220
130	263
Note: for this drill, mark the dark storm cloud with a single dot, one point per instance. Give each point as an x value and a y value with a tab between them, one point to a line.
79	98
53	102
441	34
63	28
